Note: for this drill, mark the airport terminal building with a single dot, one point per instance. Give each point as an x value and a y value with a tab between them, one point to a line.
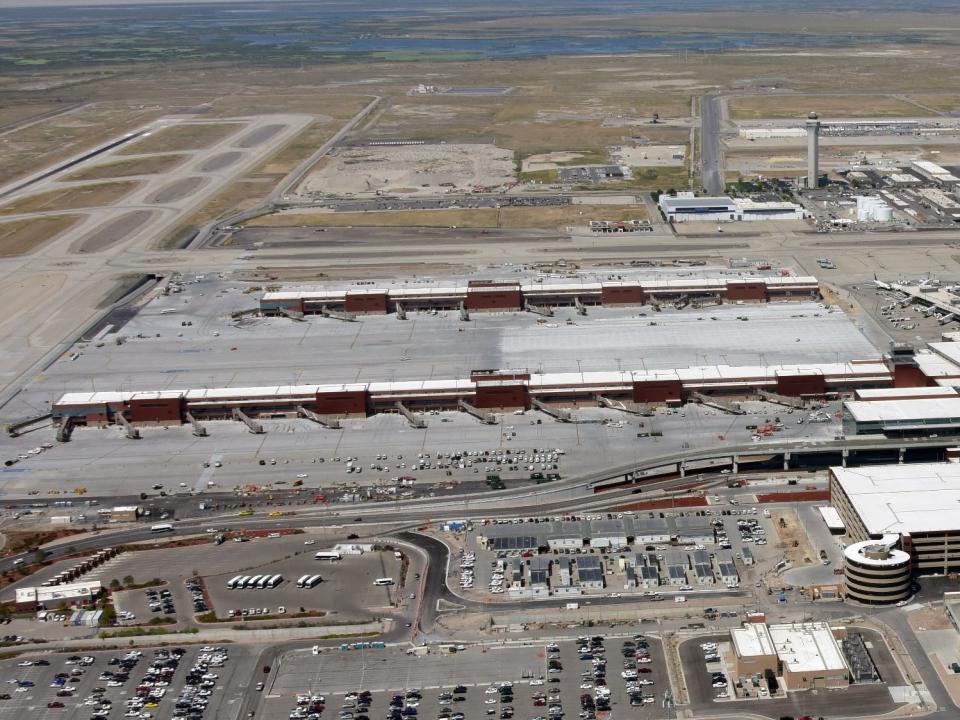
485	390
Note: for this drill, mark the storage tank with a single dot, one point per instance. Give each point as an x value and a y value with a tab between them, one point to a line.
884	213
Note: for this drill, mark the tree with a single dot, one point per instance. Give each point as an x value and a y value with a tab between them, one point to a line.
128	580
39	556
114	584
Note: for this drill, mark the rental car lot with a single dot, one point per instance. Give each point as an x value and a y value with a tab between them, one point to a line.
546	679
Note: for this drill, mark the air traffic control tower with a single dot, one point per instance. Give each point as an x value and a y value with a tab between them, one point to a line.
813	150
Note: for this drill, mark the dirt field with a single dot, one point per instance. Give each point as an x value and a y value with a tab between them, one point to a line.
790	532
124	168
545	217
22	236
71	198
485	217
184	136
942	103
827	106
18	113
47	142
412	169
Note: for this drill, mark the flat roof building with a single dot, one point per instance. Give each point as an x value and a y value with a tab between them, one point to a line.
753	649
686	206
934	172
902	417
809	656
49	598
803	655
916	503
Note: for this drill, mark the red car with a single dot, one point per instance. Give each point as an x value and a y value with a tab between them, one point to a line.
55	704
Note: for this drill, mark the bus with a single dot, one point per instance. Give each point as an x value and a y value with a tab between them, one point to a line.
263	582
274	581
312	581
331	555
301	581
162	527
253	580
242	582
232	582
383	581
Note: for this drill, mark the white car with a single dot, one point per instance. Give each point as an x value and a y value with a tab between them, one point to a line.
536	682
491	690
309	542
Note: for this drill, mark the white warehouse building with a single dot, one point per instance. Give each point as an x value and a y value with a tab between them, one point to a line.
687	207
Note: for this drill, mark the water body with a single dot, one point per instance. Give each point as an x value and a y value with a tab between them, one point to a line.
344	29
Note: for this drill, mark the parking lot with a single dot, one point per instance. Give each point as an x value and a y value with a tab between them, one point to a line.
346	590
115	680
547	680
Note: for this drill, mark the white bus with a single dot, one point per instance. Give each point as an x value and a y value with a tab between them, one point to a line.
312	581
263	582
383	581
301	581
252	582
232	582
162	527
331	555
242	582
274	581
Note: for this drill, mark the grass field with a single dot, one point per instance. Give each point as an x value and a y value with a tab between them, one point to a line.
71	198
22	236
189	136
124	168
827	106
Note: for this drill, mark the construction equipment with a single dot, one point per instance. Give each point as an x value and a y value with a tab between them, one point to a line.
484	417
337	314
401	313
581	308
464	313
255	427
131	432
556	413
415	420
329	423
198	429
